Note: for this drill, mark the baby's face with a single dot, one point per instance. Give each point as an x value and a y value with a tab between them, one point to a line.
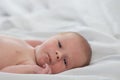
61	52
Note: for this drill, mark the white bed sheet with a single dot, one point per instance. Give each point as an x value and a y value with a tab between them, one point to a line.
97	20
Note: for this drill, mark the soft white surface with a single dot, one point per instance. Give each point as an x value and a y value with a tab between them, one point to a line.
97	20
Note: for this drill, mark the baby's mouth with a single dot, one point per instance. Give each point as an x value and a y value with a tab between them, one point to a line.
47	60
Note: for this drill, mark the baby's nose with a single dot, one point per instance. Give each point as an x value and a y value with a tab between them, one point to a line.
59	55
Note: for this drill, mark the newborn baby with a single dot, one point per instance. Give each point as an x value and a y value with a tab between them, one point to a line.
59	53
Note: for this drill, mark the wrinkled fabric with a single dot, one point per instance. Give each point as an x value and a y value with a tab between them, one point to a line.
97	20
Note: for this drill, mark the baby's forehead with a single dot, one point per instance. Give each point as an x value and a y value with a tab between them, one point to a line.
69	35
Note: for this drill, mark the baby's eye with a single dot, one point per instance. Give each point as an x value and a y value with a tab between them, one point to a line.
59	44
65	62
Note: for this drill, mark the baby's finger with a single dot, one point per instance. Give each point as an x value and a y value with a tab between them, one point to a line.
47	69
49	72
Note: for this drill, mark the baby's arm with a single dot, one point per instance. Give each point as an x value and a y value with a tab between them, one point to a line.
34	43
27	69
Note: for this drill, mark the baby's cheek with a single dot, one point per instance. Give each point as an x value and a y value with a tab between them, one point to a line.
57	68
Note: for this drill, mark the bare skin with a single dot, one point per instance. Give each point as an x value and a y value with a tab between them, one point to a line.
57	54
17	56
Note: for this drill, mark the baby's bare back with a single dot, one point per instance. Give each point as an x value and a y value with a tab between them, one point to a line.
12	51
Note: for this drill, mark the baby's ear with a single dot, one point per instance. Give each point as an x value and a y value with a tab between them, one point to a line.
34	43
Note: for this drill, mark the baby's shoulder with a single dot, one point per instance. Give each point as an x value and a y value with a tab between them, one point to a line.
6	37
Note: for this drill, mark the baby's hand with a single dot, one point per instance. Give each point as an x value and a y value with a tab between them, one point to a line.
45	70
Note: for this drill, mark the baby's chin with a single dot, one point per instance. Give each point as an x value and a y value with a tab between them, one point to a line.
38	59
